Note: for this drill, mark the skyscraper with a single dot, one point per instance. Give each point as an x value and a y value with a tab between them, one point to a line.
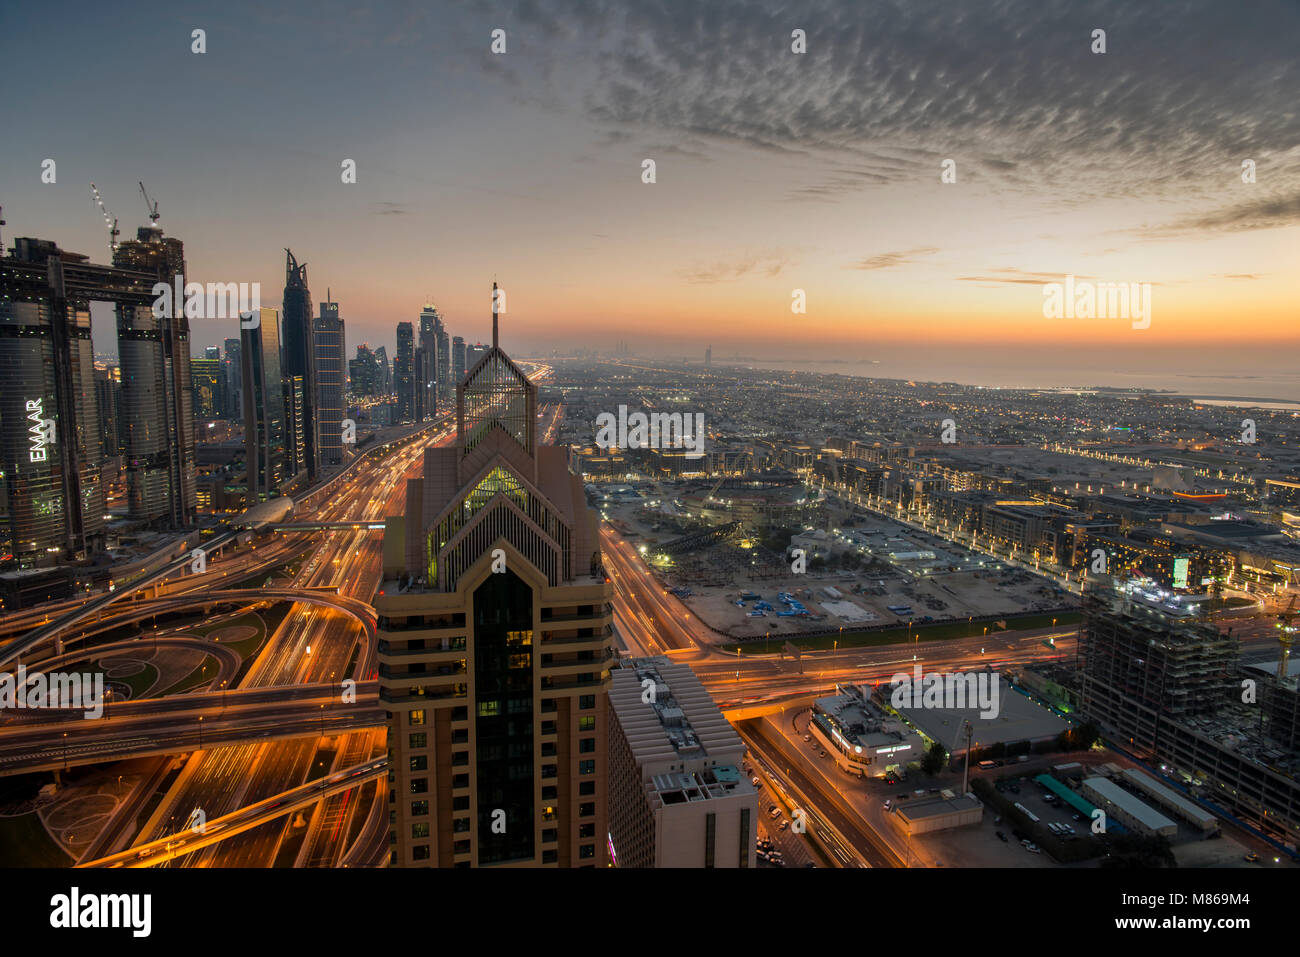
495	642
331	381
446	387
404	371
38	466
108	395
158	417
384	383
427	384
265	420
473	354
234	380
421	369
299	358
51	443
457	360
363	372
208	380
296	427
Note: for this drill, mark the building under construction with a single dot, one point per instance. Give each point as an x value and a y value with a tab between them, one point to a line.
1141	665
1170	689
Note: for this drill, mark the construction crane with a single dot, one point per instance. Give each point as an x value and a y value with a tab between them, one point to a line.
152	205
1285	636
109	220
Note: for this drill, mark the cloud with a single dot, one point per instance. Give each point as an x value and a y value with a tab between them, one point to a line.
890	260
1010	90
1021	277
390	209
767	264
1264	213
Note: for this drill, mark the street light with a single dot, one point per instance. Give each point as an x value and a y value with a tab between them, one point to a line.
200	732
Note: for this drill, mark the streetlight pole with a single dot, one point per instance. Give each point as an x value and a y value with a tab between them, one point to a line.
200	732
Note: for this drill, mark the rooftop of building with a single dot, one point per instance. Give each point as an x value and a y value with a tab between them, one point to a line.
668	716
859	721
947	802
1018	718
1132	805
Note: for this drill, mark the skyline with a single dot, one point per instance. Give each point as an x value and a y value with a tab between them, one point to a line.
557	434
775	171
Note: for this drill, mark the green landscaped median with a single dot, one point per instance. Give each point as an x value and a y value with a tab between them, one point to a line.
201	675
945	631
24	842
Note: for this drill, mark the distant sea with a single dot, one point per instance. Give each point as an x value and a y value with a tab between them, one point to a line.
1268	390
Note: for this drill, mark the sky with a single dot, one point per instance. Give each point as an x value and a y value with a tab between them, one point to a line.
775	171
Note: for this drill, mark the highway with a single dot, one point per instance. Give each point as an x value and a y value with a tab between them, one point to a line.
312	646
192	837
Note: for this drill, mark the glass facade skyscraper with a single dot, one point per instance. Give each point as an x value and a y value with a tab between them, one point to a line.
265	419
299	360
331	382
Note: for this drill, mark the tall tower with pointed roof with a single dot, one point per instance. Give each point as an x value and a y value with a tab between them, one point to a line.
495	643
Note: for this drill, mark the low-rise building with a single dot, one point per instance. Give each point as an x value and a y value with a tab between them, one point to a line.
677	795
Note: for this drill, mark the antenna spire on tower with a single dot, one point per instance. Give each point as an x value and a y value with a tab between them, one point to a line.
494	314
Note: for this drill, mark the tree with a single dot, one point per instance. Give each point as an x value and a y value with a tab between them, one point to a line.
1078	739
934	759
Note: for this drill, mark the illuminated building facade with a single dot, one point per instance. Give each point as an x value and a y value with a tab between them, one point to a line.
495	644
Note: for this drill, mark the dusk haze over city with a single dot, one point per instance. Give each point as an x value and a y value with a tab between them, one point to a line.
684	434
